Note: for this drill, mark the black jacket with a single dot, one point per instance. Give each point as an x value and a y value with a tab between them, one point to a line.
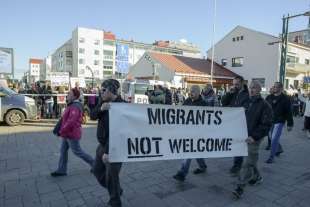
198	102
282	109
258	117
103	124
236	99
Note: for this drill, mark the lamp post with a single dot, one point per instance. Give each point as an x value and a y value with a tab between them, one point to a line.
92	75
284	40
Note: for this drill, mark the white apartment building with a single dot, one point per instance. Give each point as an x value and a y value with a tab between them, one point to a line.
256	56
101	53
34	69
45	69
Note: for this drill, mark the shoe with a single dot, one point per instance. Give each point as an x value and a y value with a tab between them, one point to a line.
278	153
256	181
269	161
267	147
199	171
238	192
57	174
234	170
179	177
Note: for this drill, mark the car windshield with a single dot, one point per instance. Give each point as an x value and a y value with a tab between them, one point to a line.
7	91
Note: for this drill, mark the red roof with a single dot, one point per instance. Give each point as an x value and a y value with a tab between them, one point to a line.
35	61
181	64
109	36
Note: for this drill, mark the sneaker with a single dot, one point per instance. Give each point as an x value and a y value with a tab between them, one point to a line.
57	174
256	181
199	171
234	170
238	192
269	161
179	177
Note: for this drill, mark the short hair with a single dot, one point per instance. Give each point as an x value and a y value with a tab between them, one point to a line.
257	84
195	88
279	83
239	77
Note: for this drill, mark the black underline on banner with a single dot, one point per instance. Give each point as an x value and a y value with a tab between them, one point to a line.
144	156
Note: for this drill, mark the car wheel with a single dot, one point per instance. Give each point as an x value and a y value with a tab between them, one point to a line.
14	118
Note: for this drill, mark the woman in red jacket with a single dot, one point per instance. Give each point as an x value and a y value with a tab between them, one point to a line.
71	131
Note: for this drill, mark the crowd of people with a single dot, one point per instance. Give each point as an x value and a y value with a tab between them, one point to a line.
265	118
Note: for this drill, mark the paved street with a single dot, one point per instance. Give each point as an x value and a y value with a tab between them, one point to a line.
29	153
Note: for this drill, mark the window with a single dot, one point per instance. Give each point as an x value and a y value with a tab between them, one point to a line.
233	39
108	42
238	38
69	54
237	62
81	40
107	72
224	62
108	67
241	37
81	50
108	54
307	61
96	62
108	63
97	42
81	61
96	52
292	59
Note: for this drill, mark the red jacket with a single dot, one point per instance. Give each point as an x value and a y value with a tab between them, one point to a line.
71	121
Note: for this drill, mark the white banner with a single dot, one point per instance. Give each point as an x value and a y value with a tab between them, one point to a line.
141	132
59	79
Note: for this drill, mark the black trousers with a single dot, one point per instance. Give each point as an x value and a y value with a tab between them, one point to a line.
107	175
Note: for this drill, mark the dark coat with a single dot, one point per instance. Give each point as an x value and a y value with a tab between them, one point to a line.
258	117
236	99
103	124
198	102
282	109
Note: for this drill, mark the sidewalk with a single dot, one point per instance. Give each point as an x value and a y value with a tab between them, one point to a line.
28	157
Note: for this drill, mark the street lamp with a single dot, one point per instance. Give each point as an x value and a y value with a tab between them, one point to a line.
284	39
92	75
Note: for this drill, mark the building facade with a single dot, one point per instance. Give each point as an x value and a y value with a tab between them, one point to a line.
256	56
98	53
35	66
180	71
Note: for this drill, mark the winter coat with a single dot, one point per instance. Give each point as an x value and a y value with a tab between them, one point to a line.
282	109
258	117
71	121
236	99
198	102
103	124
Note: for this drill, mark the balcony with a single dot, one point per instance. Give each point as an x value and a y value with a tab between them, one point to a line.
297	68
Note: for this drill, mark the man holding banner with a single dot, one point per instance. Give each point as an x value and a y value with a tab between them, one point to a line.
107	173
259	122
195	99
238	96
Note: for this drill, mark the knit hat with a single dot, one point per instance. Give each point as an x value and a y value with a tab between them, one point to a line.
76	92
112	85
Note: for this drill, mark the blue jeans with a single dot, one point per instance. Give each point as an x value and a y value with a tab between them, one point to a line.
76	149
186	164
50	108
275	137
